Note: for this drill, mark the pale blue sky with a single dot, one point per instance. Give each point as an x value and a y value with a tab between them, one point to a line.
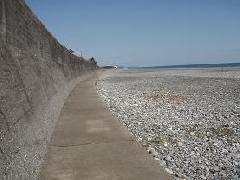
145	32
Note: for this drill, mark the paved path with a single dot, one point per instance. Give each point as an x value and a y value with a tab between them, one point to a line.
89	144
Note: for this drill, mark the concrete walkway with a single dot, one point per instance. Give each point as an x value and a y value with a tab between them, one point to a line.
89	144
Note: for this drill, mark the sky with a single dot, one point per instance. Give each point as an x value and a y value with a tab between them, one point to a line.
145	32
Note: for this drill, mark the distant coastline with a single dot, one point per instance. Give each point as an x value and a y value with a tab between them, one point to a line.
190	66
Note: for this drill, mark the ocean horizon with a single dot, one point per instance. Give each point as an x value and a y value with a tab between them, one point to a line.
222	65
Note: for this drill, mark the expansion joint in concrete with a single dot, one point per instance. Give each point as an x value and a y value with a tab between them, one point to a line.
91	143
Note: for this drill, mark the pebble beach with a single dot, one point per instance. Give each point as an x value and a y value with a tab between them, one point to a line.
188	119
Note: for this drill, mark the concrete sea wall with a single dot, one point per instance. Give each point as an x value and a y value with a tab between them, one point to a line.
36	75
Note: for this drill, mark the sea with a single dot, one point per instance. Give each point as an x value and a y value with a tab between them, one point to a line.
186	66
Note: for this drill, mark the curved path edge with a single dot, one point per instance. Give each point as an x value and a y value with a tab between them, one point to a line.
88	143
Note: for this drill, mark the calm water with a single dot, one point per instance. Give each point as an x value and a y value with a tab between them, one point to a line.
191	66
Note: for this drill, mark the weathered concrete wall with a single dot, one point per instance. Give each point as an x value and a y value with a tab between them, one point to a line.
36	75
